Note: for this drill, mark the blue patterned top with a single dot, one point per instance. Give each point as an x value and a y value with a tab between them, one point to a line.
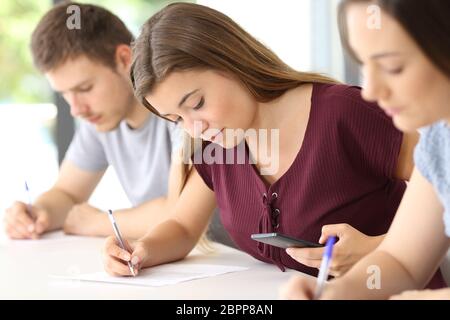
432	158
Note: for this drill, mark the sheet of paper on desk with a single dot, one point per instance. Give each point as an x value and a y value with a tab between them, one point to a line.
160	275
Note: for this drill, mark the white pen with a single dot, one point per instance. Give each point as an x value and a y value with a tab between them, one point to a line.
324	267
119	238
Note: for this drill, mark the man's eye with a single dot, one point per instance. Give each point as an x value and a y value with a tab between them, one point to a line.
85	89
200	104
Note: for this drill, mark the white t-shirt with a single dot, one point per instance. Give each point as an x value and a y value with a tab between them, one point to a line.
432	159
141	157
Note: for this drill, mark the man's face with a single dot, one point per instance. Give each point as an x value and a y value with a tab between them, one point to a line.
94	91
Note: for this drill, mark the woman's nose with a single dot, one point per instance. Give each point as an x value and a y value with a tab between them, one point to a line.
195	128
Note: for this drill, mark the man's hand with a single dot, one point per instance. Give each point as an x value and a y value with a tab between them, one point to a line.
22	224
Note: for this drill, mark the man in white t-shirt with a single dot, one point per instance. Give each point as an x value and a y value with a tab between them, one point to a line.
89	66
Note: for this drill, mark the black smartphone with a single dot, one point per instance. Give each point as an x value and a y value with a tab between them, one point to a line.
283	241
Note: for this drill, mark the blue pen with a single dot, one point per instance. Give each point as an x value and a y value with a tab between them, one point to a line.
29	210
27	190
29	204
324	267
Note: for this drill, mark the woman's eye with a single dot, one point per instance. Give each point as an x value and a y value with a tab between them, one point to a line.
395	71
200	104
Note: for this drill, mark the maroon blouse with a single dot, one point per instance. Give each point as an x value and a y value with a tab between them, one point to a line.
343	173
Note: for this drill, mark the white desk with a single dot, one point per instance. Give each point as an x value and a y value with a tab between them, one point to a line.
25	268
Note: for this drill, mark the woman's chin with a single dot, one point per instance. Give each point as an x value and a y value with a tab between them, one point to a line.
406	125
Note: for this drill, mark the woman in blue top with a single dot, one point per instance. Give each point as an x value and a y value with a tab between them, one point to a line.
404	49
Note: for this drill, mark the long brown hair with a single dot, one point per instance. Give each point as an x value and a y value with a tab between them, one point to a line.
427	22
186	36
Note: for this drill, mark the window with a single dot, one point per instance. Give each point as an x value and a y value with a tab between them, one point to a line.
27	116
302	33
283	26
27	110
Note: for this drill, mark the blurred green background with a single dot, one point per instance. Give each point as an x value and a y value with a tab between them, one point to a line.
20	82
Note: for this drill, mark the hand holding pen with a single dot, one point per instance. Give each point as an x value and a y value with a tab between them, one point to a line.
119	257
39	216
324	267
305	288
121	241
23	220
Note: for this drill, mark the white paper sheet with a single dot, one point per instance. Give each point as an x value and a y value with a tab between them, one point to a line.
162	275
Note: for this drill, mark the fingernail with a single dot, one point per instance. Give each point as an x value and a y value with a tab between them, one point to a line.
126	256
31	228
135	260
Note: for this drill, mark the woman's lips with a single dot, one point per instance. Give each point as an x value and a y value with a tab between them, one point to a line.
392	111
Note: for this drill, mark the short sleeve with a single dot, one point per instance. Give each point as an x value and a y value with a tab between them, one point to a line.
421	155
370	138
203	169
86	150
431	159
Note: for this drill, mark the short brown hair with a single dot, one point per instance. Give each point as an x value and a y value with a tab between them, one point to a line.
53	43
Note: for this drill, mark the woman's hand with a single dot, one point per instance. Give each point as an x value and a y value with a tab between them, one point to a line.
440	294
115	259
351	247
